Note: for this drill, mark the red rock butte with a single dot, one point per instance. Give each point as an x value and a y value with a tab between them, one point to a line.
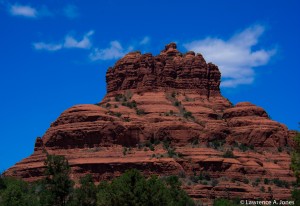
165	115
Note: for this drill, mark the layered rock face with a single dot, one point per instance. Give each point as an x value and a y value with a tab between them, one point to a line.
165	115
169	70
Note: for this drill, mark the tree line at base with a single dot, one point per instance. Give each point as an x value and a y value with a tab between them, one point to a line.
57	189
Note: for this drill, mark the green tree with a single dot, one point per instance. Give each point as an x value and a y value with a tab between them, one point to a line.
296	197
224	202
178	196
2	184
295	165
134	189
16	193
85	195
295	161
57	183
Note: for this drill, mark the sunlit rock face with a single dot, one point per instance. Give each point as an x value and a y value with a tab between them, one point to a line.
165	115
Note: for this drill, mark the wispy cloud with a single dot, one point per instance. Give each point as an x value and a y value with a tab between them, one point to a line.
22	10
113	52
84	43
235	57
71	11
69	42
47	46
145	40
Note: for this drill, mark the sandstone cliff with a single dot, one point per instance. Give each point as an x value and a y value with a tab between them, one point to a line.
165	115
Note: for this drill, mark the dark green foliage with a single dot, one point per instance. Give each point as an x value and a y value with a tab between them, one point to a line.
187	99
281	183
216	143
118	114
2	183
177	103
57	182
85	195
119	97
296	196
173	94
194	179
124	151
246	181
194	141
154	141
151	147
204	176
295	161
228	154
131	104
108	105
266	181
243	147
171	152
262	189
140	112
133	189
187	115
224	202
166	143
148	143
58	190
17	193
279	149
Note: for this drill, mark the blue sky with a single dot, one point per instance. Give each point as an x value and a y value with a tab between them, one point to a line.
54	54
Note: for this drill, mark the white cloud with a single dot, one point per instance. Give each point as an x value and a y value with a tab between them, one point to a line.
85	43
48	47
25	11
235	57
71	11
145	40
113	52
69	42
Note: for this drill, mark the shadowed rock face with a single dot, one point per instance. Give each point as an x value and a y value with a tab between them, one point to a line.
173	102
